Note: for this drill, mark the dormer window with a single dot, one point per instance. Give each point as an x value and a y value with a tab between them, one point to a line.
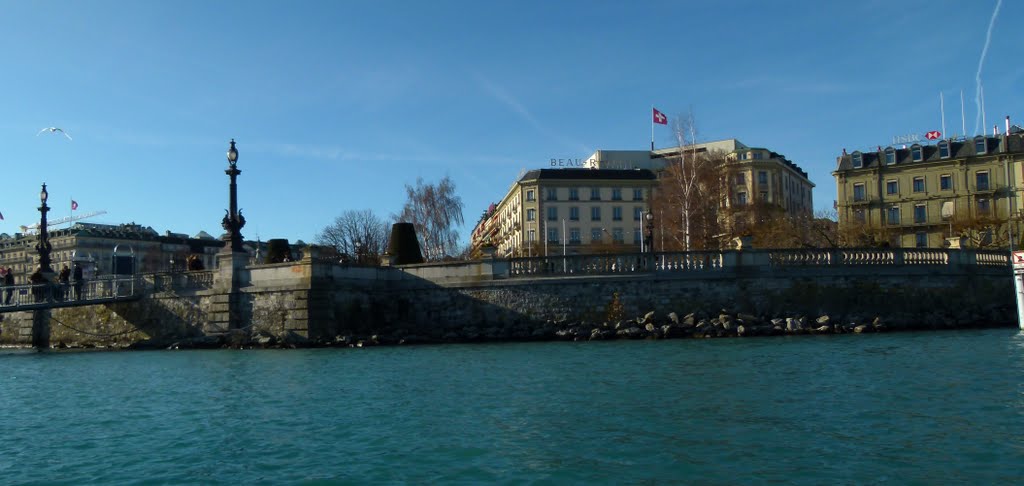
858	160
944	149
916	153
980	146
890	156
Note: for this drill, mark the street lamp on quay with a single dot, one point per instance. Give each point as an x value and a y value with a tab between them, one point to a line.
233	221
43	246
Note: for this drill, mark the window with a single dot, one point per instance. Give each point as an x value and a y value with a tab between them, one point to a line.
980	146
741	178
595	213
892	187
858	192
858	160
890	156
617	213
616	194
638	194
983	206
919	184
595	234
858	215
762	177
921	240
552	213
595	194
945	182
617	235
530	196
531	236
944	149
894	216
574	235
741	199
531	214
574	194
981	181
636	236
551	194
757	155
764	196
574	213
916	153
636	213
553	235
920	216
743	155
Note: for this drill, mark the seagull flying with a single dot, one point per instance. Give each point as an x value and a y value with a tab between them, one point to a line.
54	130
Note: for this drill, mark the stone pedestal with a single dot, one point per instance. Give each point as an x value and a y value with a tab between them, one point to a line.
227	311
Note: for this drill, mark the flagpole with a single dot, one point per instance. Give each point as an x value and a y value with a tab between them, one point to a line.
652	128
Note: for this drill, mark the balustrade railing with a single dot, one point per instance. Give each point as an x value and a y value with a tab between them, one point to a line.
193	280
710	261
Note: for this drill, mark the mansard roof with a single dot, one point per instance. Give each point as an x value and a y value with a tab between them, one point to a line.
959	149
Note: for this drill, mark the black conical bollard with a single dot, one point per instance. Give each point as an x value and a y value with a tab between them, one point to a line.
403	245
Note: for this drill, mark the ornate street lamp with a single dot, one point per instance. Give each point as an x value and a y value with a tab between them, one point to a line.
233	221
43	244
650	232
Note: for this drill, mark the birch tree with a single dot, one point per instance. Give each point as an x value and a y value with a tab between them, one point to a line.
436	212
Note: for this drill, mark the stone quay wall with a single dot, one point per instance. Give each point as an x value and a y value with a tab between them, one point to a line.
313	302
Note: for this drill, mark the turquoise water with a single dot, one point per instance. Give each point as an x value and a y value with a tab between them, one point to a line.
927	408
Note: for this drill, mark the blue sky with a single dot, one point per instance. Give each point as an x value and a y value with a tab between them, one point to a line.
338	105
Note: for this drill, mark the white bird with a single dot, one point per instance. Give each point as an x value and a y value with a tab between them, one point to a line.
54	130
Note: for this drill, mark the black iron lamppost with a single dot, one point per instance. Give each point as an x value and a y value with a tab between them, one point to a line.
650	232
233	221
43	245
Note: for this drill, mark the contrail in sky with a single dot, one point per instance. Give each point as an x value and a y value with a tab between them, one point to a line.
981	62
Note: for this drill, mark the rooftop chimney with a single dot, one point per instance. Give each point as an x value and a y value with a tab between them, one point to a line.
1007	124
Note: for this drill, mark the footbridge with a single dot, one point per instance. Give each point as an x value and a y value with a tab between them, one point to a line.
15	298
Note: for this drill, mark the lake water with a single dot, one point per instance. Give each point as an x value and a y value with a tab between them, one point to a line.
931	407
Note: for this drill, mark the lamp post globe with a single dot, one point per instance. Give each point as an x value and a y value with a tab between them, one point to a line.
650	231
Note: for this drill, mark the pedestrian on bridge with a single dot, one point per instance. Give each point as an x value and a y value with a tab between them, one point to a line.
9	283
77	275
63	277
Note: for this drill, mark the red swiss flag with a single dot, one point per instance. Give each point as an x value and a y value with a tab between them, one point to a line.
660	117
74	205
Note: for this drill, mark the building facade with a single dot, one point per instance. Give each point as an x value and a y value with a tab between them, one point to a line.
551	211
918	196
103	249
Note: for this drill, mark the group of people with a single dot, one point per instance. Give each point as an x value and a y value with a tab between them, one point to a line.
64	276
67	280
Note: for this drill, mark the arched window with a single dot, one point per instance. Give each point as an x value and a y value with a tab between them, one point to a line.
890	156
980	145
916	153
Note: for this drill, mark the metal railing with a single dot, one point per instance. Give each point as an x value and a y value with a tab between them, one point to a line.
190	280
73	293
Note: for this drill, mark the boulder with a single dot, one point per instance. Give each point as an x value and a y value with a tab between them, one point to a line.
741	330
690	320
861	328
673	318
824	329
823	320
649	317
793	325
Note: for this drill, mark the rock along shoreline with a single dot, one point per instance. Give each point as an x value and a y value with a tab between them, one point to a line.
650	326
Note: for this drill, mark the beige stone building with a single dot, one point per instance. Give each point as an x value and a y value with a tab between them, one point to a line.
98	246
599	201
551	210
919	195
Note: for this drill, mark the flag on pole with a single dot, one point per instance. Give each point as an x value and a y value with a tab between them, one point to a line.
74	205
659	117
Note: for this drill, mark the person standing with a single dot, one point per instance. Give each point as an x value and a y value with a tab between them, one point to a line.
63	277
9	283
77	275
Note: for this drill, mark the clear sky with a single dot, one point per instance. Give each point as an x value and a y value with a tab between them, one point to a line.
337	105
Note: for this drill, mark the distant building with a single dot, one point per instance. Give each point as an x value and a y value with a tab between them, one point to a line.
101	249
602	202
547	208
917	196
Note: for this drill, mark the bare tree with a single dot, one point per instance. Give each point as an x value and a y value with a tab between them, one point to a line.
436	212
353	227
